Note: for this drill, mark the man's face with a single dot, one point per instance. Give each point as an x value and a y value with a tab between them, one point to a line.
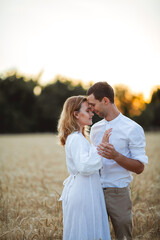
96	106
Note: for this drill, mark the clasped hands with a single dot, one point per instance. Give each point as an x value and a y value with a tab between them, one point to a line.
106	149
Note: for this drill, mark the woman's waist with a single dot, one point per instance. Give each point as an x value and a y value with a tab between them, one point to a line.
75	173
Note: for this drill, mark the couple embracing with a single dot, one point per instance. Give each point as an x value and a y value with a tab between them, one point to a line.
100	171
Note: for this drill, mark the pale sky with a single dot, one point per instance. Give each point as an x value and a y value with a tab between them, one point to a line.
117	41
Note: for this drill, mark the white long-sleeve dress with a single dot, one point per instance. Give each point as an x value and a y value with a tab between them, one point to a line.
84	211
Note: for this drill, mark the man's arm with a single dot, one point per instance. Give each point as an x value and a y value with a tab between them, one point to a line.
108	151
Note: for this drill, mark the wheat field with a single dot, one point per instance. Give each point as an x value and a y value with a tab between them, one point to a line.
32	170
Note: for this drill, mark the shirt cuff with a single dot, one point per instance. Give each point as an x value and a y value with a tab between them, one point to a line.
143	159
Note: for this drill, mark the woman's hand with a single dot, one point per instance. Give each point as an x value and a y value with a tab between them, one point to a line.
106	136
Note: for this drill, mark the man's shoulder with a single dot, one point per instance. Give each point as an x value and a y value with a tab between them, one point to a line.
98	124
96	131
128	122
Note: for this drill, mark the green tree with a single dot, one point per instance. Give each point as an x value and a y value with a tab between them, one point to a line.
50	103
23	108
150	117
16	104
127	102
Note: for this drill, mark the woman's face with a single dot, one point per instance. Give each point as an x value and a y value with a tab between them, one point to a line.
84	116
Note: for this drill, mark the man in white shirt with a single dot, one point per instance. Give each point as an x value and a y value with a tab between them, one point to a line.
125	153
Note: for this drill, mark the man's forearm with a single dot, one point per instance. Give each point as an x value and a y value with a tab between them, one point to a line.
108	151
129	163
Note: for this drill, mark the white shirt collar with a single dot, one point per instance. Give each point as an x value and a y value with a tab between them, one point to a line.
114	120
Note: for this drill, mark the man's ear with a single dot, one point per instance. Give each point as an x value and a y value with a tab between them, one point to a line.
76	114
106	100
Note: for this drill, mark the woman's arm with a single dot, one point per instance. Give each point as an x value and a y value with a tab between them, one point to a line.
85	156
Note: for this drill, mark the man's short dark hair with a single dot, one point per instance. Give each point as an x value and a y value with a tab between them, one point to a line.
101	90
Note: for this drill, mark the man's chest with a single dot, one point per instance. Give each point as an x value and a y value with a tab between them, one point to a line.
118	138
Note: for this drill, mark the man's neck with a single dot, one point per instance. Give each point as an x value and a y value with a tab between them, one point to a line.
113	112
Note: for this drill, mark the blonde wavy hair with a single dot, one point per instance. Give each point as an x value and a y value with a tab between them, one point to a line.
67	123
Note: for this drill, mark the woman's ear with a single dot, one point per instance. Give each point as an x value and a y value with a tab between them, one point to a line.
76	114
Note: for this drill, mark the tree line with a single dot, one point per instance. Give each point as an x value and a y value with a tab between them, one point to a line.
26	106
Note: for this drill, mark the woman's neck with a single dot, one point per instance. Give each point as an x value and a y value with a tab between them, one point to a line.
81	130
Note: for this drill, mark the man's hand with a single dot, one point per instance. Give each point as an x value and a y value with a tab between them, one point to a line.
107	150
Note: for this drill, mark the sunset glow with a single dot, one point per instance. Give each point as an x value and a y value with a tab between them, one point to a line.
114	41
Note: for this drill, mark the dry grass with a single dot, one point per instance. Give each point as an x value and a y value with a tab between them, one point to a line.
32	171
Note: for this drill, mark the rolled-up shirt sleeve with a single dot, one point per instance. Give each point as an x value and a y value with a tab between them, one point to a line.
137	144
85	156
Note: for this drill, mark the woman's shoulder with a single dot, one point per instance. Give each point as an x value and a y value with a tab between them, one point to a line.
75	137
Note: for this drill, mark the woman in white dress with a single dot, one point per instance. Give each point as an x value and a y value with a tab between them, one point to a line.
84	211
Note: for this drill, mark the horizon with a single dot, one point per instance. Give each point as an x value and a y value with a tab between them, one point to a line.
61	78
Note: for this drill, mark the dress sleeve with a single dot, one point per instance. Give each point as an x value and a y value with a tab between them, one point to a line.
137	144
85	156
